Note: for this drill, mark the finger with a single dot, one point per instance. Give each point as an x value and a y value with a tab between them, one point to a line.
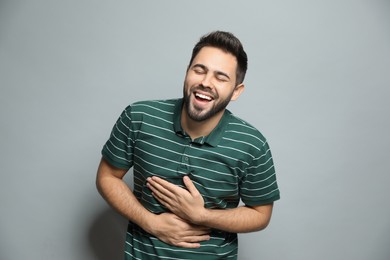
198	232
194	227
161	198
190	185
188	245
165	184
157	187
193	241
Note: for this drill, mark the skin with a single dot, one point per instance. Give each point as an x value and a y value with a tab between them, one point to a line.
212	74
167	227
189	204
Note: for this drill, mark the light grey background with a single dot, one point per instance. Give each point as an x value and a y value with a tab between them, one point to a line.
317	87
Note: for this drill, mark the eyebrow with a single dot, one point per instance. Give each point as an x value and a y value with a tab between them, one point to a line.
206	69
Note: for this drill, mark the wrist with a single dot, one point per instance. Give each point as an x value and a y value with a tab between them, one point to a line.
149	222
202	217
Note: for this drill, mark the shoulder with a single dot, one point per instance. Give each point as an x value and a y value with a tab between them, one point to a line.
250	138
151	110
166	105
245	130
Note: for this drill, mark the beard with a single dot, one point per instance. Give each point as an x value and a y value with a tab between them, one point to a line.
198	114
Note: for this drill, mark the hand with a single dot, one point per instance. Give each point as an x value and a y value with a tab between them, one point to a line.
187	204
175	231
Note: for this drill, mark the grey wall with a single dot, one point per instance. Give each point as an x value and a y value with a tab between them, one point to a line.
317	87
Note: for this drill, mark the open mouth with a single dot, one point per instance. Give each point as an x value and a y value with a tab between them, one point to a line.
203	97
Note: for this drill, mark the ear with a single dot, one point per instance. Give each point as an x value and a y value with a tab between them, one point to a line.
237	91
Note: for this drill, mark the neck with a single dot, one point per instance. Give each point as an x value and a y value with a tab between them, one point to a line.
197	129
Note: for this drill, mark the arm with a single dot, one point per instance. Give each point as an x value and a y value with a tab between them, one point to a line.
114	190
189	205
238	220
167	227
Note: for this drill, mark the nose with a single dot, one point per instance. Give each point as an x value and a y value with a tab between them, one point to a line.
206	81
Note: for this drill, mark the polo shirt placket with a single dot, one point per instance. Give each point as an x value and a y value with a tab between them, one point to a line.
229	163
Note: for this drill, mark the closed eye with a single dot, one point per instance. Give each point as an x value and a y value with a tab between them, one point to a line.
199	69
222	76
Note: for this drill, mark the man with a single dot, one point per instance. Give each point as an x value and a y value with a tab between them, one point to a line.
193	161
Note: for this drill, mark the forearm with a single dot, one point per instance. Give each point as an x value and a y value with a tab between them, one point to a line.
238	220
189	205
119	196
167	227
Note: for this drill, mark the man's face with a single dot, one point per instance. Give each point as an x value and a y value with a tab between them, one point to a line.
210	83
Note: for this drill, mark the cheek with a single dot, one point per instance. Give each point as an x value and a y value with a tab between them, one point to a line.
190	82
186	86
193	78
225	92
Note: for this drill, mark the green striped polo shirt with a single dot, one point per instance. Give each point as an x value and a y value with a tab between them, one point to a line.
233	162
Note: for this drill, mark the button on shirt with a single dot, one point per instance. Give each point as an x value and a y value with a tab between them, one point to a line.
232	163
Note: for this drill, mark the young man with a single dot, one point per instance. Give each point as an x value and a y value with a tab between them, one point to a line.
193	161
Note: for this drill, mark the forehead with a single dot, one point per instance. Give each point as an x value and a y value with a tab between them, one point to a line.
216	59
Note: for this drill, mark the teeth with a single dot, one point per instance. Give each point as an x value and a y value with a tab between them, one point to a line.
203	96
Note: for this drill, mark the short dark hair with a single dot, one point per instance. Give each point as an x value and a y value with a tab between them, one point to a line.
227	42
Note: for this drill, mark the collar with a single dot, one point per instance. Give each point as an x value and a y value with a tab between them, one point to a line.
212	139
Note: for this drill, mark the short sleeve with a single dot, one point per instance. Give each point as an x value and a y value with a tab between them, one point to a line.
118	150
259	185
